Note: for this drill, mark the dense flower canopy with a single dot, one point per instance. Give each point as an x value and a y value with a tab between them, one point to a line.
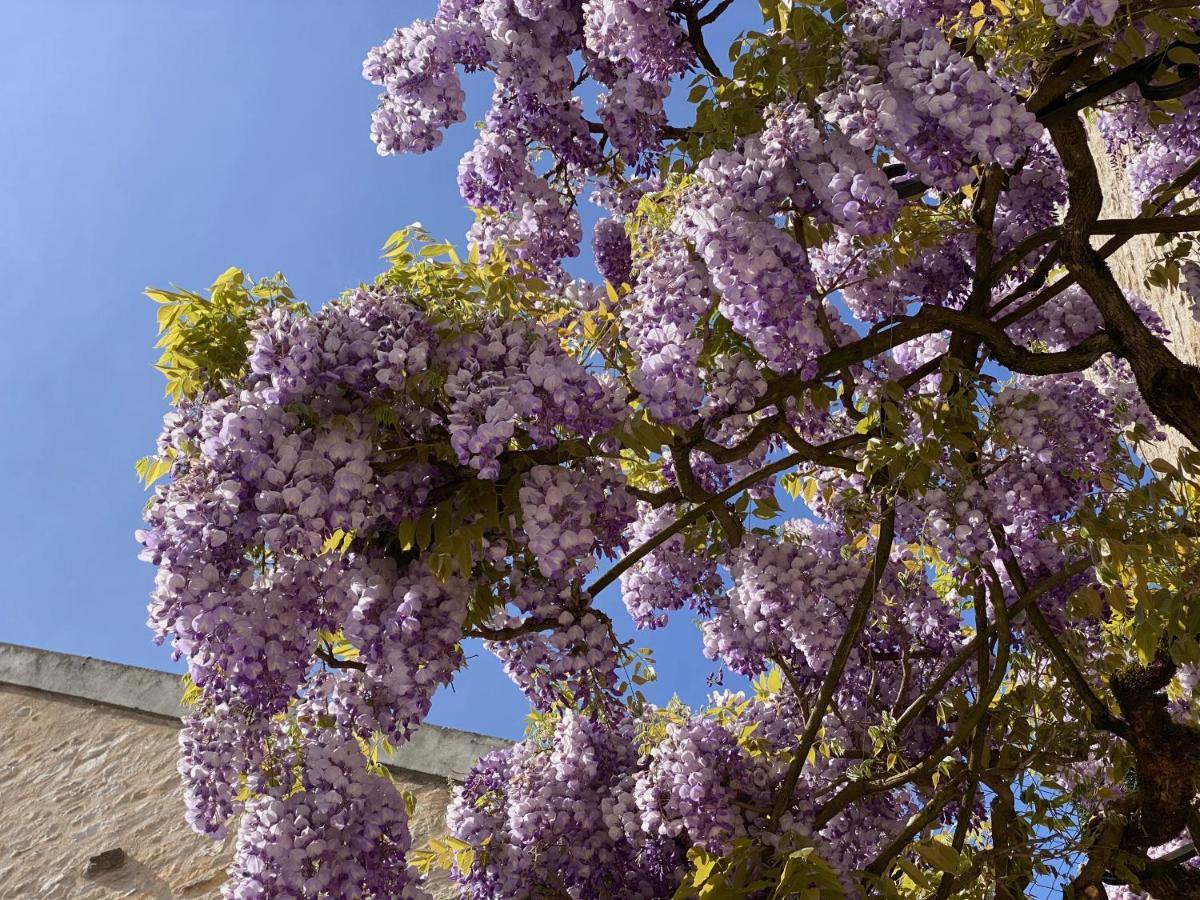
870	276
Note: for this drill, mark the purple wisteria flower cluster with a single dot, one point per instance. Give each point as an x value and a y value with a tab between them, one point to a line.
633	48
857	393
276	539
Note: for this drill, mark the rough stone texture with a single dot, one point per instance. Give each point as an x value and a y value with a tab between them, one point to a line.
1129	266
432	750
78	778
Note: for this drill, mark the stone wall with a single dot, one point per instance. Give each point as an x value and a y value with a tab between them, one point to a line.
79	777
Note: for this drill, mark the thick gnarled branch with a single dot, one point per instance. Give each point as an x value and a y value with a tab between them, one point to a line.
1170	387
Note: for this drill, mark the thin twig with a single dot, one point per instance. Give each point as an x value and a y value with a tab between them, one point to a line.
858	618
634	556
1102	716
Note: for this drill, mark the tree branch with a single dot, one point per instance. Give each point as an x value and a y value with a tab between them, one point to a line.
527	626
1102	716
716	12
962	733
915	825
1138	72
634	556
1170	387
695	35
335	663
931	319
1017	358
858	618
692	490
655	498
960	659
674	132
1126	227
979	747
1148	225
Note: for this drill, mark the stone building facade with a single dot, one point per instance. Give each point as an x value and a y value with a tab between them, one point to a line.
87	768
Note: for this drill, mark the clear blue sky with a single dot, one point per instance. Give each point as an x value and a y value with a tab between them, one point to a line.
148	143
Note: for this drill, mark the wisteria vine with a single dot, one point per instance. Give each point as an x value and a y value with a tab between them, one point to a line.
855	389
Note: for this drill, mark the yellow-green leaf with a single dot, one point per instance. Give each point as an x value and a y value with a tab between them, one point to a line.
941	856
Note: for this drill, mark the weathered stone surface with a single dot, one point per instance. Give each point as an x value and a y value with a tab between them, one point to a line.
107	861
432	750
78	778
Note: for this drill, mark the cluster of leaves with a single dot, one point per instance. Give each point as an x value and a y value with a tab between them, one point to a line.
792	56
203	335
1145	534
203	338
793	872
461	291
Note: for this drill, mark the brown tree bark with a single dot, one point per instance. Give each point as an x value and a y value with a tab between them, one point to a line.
1170	386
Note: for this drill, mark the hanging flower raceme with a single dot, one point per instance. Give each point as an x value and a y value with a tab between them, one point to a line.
851	395
303	576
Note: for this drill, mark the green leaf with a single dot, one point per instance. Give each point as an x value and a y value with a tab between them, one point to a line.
406	534
913	872
338	542
151	468
424	529
1089	601
883	886
1183	56
809	491
191	692
941	856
